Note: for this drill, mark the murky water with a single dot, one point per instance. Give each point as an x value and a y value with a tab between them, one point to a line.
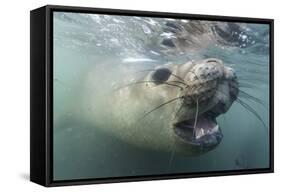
107	47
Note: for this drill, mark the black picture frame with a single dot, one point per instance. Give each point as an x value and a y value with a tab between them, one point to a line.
41	101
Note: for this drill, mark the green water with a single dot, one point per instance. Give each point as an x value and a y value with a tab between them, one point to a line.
107	44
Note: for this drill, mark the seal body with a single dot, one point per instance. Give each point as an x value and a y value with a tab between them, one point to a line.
171	107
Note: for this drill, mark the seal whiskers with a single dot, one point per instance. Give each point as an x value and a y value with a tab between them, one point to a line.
253	111
196	116
141	82
163	104
251	97
172	155
249	109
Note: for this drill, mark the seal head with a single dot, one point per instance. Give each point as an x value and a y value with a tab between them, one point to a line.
208	90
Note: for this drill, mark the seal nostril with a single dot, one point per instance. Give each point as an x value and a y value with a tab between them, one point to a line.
211	60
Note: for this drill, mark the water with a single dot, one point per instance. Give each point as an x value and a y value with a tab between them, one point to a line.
94	53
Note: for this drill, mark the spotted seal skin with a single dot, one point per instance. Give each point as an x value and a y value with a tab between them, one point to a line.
171	107
210	91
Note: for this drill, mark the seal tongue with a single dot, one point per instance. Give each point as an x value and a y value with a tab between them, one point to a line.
205	122
204	133
205	125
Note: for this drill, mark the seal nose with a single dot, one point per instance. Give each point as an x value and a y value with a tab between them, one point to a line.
208	70
213	60
203	79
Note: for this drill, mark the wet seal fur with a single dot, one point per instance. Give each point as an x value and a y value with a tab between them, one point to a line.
172	107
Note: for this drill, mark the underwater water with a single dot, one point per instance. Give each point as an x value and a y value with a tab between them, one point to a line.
108	48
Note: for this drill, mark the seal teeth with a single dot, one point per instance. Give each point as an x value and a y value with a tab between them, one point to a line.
216	128
199	133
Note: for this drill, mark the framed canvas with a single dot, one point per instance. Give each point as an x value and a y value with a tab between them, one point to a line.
123	95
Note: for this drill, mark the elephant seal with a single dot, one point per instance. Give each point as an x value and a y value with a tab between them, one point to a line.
172	107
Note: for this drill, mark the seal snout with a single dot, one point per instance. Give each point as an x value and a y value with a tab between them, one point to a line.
208	69
203	79
210	91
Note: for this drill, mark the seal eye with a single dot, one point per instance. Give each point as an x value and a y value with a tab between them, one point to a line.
161	75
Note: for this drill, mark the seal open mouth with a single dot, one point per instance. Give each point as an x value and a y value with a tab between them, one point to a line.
205	132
